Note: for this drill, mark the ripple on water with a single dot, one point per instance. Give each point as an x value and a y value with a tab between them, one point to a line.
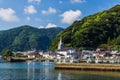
43	71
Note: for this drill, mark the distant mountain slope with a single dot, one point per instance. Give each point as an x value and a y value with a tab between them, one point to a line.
27	38
93	31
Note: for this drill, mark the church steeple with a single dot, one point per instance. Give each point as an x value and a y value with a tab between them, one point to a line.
60	44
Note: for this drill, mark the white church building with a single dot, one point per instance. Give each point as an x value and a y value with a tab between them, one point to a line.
65	54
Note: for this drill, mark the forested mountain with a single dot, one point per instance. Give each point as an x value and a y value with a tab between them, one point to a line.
98	30
25	38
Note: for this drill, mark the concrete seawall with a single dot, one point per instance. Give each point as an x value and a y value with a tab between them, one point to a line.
88	67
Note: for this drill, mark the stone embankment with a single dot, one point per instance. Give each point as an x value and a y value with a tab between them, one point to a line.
87	67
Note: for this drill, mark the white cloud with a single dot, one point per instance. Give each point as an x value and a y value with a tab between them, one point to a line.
37	1
70	16
28	18
41	27
78	1
8	15
30	9
49	11
49	25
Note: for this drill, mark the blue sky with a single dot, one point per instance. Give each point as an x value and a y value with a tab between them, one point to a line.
48	13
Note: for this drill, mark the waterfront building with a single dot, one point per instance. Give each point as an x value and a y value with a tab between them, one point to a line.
65	54
31	56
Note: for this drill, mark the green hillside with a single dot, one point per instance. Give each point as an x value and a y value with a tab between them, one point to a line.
100	29
25	38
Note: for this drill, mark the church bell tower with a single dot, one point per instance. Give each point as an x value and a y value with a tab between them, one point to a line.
60	44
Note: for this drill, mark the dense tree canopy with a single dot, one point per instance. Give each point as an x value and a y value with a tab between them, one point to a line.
27	38
93	31
7	53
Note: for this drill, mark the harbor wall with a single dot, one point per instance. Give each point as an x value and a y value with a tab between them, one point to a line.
88	67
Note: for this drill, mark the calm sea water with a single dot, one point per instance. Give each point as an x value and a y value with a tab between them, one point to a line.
45	71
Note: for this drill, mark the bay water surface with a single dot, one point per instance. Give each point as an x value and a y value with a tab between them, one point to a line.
45	71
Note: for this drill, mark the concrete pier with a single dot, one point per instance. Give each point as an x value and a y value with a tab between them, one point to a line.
88	67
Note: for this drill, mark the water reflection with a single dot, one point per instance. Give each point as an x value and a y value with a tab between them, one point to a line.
87	75
43	71
30	71
59	76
